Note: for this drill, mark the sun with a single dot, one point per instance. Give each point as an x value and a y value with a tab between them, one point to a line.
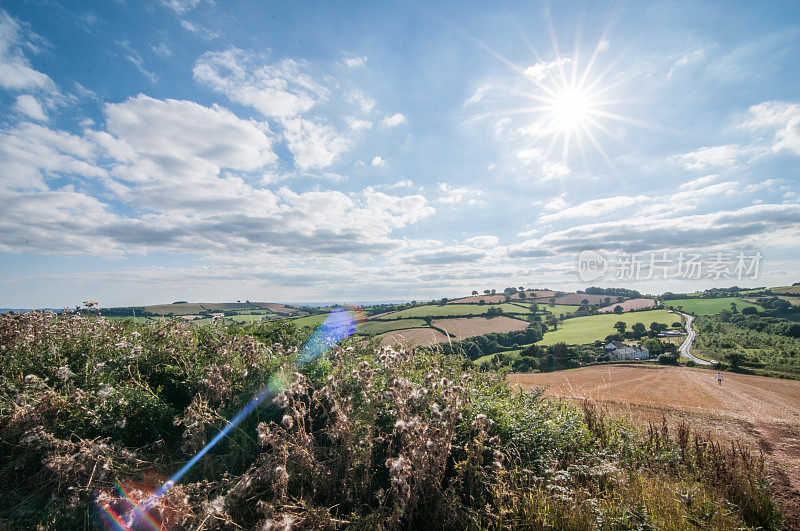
570	109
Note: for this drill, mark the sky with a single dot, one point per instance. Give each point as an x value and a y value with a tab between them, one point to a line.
162	150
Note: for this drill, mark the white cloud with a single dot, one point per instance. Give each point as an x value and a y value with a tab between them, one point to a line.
278	90
707	158
181	6
377	161
353	61
553	170
781	117
699	182
30	107
688	58
314	144
543	69
595	208
528	155
756	225
31	153
358	125
446	255
365	103
394	120
482	241
452	196
16	72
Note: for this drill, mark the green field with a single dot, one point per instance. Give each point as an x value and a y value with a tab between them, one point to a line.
709	306
507	356
310	320
786	289
371	328
582	330
449	310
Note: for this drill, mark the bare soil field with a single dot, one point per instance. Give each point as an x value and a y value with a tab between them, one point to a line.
463	328
628	305
764	412
576	298
530	295
413	336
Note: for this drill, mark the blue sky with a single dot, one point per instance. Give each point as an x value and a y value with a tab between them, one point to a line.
296	151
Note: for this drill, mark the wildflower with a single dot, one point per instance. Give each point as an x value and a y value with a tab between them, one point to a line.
64	373
287	422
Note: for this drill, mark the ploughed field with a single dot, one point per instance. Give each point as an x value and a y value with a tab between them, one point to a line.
764	412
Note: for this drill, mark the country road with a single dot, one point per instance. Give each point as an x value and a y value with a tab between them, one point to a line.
686	346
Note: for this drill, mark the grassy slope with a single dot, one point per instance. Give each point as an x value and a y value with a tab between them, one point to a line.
582	330
447	310
709	306
379	327
310	320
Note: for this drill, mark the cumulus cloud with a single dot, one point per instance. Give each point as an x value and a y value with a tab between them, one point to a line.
782	118
447	255
451	195
283	89
482	241
181	6
355	61
595	208
359	125
394	120
16	72
706	158
542	69
758	223
314	144
29	106
377	161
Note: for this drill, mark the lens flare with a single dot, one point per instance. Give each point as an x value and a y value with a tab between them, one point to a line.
127	513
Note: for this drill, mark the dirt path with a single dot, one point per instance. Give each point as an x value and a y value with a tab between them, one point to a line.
765	412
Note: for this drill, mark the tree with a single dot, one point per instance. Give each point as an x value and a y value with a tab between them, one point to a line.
552	301
474	292
620	326
509	291
735	359
534	308
552	321
749	310
585	302
618	309
521	288
487	291
677	324
655	347
733	308
494	291
639	329
522	295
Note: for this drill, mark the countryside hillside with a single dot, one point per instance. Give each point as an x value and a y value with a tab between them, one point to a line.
414	418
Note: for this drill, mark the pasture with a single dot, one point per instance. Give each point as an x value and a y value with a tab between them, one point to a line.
709	306
582	330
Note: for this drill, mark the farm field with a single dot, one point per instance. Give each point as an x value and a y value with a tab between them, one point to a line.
794	290
580	330
192	308
413	336
628	305
577	298
764	412
375	327
454	309
709	306
477	326
500	297
310	320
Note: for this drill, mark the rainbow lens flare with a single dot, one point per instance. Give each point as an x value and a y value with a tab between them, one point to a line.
126	513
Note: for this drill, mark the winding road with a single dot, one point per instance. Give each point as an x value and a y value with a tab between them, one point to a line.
685	348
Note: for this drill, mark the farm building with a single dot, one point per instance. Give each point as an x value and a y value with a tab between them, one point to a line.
620	351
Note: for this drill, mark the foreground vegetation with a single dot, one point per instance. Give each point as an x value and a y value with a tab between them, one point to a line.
362	437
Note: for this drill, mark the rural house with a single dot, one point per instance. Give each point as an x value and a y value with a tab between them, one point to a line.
620	351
